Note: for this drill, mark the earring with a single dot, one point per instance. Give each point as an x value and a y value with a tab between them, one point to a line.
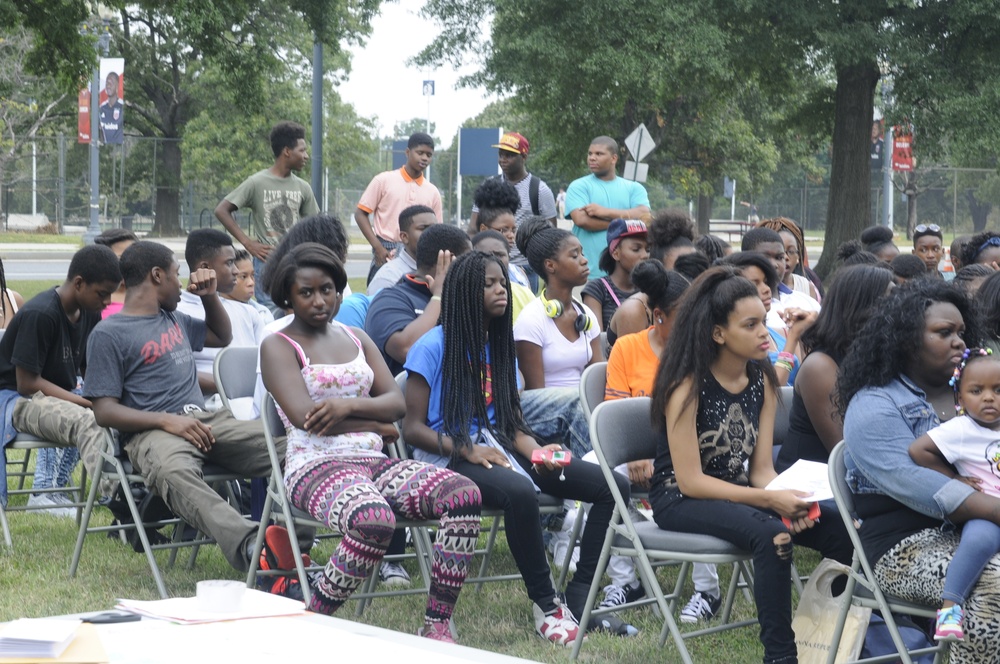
659	321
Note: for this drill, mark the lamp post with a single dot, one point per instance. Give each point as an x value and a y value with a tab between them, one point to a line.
103	41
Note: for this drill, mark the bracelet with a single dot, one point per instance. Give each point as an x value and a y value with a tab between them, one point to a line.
785	355
784	364
440	444
436	297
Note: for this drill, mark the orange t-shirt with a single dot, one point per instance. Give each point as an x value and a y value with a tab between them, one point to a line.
390	193
632	367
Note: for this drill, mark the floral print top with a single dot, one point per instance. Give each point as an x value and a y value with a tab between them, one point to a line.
350	380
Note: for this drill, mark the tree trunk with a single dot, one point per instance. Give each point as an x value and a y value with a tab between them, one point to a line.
168	194
980	211
704	213
849	202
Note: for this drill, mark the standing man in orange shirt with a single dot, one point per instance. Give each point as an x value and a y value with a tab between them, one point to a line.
391	192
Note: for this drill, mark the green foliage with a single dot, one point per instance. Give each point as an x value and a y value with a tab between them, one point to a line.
59	49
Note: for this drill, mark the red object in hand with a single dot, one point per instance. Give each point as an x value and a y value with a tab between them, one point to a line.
558	457
813	514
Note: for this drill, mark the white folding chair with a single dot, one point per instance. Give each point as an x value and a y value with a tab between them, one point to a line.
620	432
862	588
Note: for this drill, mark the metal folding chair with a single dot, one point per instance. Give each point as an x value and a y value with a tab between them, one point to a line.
592	384
862	588
620	432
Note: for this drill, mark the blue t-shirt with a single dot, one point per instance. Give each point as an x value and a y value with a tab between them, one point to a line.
353	310
619	194
391	310
426	357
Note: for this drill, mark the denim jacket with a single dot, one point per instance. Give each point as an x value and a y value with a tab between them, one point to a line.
880	425
7	433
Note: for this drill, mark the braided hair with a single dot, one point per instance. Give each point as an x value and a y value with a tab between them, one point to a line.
539	242
779	224
463	367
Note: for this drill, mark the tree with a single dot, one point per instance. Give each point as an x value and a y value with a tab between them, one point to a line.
57	48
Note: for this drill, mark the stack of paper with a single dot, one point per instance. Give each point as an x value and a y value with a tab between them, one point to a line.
37	637
189	610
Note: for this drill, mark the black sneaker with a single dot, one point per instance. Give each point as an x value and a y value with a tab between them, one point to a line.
618	595
576	598
701	606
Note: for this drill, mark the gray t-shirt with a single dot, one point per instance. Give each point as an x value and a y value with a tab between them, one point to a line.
146	362
275	203
546	209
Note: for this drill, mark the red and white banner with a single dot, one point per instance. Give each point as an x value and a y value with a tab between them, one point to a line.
902	148
83	116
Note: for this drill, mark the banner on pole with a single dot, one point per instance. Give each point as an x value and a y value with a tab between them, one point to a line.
112	108
902	148
83	116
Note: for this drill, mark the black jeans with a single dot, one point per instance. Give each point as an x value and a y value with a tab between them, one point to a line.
754	530
509	491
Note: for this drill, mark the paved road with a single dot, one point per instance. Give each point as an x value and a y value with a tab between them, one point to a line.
54	269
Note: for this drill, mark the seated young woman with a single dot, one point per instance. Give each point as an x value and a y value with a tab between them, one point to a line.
814	425
463	412
492	242
783	349
626	249
715	397
338	402
894	384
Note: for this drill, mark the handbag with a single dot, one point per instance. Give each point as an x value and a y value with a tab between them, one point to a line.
816	618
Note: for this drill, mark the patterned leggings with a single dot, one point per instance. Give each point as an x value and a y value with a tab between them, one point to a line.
360	499
915	570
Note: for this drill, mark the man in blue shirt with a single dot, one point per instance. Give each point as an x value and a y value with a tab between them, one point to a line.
593	201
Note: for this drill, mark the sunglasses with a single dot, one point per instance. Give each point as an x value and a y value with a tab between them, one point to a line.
923	228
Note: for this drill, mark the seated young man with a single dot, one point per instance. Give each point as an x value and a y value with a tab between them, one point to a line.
42	354
142	381
413	221
211	249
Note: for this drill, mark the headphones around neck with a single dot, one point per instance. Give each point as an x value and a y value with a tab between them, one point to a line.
554	309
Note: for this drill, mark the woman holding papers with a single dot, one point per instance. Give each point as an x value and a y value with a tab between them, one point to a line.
715	395
894	387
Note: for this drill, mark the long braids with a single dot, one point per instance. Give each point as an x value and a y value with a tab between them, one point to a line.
464	365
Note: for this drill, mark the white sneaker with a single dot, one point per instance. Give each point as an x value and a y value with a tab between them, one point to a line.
393	574
558	546
701	606
559	627
46	502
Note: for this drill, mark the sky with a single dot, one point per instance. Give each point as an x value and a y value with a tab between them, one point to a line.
381	84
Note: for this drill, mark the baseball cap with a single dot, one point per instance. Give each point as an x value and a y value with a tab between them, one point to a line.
513	142
622	228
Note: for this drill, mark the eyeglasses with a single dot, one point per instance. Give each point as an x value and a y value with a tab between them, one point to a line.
992	242
923	228
792	253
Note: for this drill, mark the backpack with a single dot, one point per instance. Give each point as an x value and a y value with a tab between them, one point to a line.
533	184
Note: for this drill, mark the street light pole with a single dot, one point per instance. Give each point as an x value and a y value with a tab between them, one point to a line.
94	229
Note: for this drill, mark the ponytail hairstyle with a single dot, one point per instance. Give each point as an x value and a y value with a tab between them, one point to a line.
876	238
493	198
853	253
669	230
663	288
539	242
463	366
691	350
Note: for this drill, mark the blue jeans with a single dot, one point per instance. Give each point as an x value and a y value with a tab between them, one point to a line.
555	415
258	289
980	542
54	466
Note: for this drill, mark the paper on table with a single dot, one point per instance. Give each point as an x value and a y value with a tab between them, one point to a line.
36	637
808	476
86	648
189	611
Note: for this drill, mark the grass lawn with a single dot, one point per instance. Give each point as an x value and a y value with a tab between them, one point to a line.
40	238
34	582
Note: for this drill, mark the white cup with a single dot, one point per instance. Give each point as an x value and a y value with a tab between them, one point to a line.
220	596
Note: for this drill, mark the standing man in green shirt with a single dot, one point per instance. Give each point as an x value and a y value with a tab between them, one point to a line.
276	198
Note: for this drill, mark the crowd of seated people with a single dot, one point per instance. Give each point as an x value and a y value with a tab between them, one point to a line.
493	374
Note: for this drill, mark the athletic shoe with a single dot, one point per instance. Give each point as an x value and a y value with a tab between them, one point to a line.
576	600
393	574
437	631
558	627
949	624
44	502
617	595
701	606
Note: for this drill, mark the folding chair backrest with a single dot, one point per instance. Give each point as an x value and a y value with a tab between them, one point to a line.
235	372
837	470
623	430
592	383
782	415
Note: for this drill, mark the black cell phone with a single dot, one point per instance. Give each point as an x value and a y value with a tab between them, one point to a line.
110	617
